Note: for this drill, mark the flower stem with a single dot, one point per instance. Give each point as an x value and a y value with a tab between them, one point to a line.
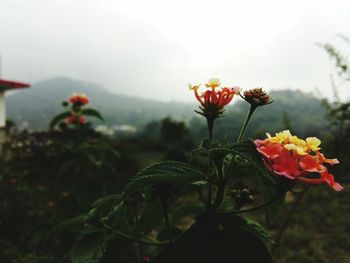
166	218
220	191
268	202
244	127
210	122
145	241
136	215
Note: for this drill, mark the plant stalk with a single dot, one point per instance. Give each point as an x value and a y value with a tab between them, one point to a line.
210	122
136	215
166	218
246	122
268	202
221	190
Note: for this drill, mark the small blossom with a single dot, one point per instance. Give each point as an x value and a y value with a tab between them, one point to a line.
76	119
146	259
70	119
79	98
294	158
82	119
257	97
214	100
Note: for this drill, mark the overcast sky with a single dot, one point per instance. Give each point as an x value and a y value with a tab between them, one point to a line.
153	48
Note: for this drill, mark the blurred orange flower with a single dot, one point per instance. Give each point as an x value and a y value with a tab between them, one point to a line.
79	98
76	118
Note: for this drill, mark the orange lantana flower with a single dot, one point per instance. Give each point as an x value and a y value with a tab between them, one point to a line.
79	98
214	99
287	155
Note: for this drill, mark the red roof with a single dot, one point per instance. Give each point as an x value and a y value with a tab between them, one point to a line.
9	84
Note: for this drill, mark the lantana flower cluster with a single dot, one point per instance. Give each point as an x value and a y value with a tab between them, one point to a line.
214	99
78	100
297	159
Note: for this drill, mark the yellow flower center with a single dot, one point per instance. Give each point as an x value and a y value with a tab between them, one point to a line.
213	83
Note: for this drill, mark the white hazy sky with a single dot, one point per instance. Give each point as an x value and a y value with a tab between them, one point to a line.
153	48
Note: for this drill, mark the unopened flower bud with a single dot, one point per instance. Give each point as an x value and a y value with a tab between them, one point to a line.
257	97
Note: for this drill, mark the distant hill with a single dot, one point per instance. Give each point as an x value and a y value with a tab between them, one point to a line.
42	101
302	112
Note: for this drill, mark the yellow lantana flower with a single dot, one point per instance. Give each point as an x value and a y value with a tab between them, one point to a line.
292	142
280	137
313	143
298	149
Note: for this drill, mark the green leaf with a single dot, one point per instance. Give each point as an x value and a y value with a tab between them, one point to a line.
68	225
257	229
111	152
90	246
105	204
238	157
106	200
116	215
59	117
151	217
164	172
92	113
72	223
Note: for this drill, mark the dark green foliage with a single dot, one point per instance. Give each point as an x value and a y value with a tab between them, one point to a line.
51	177
173	131
151	217
89	246
164	172
217	238
58	118
92	113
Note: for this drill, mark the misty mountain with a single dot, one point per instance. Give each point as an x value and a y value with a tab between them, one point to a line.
38	104
301	112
